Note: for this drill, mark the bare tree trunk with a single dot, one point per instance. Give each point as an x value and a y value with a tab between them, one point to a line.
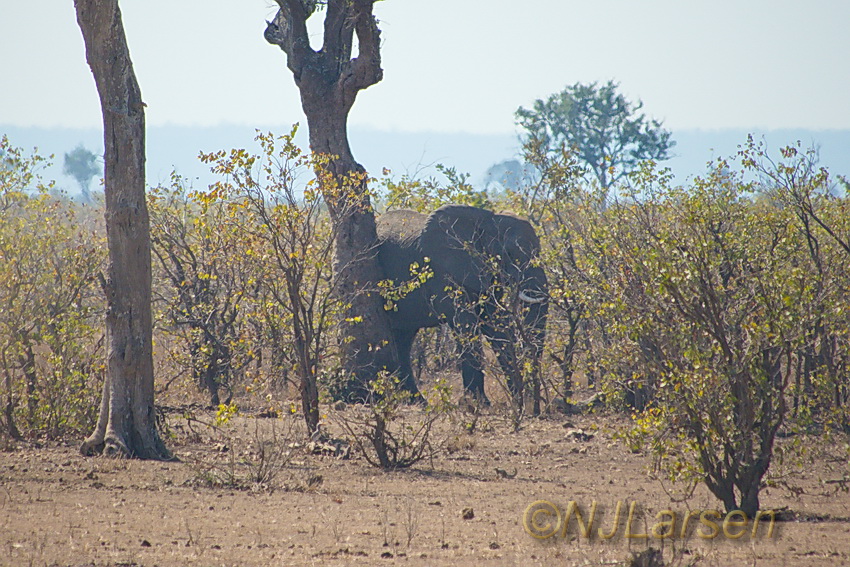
126	425
329	81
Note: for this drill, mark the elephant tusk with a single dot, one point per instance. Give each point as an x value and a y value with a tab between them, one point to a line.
524	296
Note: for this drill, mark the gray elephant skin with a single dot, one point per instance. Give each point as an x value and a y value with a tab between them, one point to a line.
484	283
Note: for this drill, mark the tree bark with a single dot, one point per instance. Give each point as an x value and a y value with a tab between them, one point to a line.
126	425
9	409
329	80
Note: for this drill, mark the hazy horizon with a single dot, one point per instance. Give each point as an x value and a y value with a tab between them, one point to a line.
172	148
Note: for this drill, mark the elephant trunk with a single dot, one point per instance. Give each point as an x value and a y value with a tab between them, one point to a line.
535	297
533	293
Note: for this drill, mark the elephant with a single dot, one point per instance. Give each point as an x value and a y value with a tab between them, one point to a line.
481	279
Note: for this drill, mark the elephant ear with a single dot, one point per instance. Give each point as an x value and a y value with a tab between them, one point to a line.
458	239
519	240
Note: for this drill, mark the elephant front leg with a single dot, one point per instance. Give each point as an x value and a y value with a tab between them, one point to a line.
404	342
471	367
503	344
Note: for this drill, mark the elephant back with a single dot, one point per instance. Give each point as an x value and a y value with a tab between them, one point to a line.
401	226
398	242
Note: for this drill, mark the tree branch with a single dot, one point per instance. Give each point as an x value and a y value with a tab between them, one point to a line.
338	34
364	70
288	30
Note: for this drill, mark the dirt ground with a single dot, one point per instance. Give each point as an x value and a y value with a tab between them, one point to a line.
59	508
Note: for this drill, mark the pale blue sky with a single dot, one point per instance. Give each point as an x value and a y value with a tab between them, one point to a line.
453	65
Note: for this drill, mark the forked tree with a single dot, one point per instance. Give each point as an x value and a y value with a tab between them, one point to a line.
329	80
126	425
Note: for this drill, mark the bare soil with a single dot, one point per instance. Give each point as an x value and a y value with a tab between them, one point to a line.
59	508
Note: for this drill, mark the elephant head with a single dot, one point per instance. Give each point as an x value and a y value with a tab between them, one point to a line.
493	256
476	247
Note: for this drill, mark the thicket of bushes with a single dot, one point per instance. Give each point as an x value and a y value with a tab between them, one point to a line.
717	311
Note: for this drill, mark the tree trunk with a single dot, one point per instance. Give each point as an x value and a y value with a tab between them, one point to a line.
366	339
9	409
750	499
329	80
31	379
126	425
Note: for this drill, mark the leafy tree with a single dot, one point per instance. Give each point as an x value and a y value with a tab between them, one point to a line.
290	240
81	164
797	183
574	232
608	133
204	284
721	311
126	424
50	353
